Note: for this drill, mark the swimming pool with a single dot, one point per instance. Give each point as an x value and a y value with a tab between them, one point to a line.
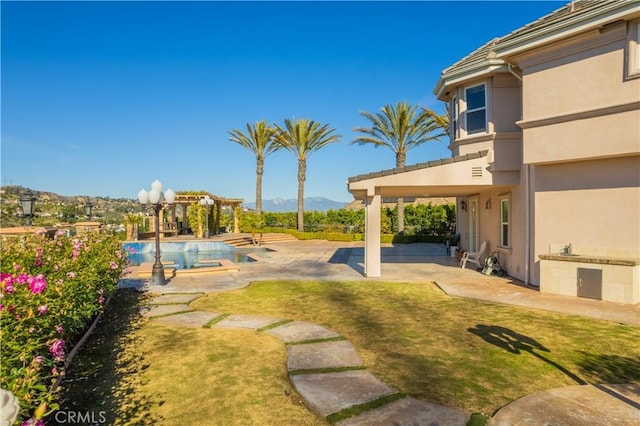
187	254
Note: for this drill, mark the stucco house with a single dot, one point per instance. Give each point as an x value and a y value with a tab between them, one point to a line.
545	143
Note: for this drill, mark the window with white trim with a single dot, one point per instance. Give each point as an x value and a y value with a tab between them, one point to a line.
504	221
476	109
633	49
637	46
454	118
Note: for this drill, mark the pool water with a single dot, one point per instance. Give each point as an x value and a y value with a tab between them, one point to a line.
187	254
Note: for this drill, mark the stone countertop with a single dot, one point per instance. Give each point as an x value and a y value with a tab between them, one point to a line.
601	260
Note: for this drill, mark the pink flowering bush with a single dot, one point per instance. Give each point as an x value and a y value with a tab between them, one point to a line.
50	289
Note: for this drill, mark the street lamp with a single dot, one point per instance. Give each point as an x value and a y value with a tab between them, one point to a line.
87	209
155	198
28	203
207	203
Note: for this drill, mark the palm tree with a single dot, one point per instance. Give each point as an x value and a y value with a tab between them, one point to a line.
258	139
302	137
400	129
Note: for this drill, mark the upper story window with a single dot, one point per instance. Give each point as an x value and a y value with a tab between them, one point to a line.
476	112
454	117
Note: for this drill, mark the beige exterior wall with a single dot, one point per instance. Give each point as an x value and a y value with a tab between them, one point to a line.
578	101
590	204
512	257
580	119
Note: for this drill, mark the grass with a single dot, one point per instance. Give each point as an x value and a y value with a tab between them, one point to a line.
460	353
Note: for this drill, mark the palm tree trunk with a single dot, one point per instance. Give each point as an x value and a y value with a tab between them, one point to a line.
401	159
302	173
259	173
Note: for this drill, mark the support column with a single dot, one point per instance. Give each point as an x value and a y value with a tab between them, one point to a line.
216	225
372	236
236	219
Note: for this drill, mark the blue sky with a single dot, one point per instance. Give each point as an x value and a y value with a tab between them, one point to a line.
102	98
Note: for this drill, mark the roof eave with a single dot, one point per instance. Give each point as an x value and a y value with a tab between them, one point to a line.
458	76
568	27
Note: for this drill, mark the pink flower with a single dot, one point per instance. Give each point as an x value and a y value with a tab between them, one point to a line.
38	262
16	266
7	287
32	329
22	278
59	329
43	309
71	274
57	349
39	359
40	232
113	265
101	300
38	285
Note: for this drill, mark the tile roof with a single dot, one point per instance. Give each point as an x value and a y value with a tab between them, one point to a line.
572	10
433	163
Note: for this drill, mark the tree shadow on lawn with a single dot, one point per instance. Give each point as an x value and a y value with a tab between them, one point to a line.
103	378
517	343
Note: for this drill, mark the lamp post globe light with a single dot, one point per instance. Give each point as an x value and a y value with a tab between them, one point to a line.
207	203
28	203
155	199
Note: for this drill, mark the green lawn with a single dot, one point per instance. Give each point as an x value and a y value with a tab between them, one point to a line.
455	352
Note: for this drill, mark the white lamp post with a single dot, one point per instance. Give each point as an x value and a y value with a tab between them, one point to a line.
207	203
155	198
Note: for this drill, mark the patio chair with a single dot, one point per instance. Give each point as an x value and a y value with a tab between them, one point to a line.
473	256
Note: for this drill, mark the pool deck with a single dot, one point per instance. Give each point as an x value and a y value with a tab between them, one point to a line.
344	261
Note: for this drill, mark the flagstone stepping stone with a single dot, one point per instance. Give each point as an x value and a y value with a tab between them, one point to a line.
339	353
328	393
252	322
189	319
168	299
155	311
409	411
298	331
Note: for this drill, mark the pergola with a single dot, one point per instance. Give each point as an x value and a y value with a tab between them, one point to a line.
185	199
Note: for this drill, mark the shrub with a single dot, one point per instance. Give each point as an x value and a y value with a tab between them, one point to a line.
49	291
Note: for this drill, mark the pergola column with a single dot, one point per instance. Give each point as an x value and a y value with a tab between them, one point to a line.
236	219
216	223
372	235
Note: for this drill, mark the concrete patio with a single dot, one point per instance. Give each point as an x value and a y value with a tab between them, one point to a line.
420	262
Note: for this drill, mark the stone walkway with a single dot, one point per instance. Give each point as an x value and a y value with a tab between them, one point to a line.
324	367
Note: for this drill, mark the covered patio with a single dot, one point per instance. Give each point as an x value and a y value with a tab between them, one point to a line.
459	176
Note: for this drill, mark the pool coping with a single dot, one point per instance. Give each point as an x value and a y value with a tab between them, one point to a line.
224	265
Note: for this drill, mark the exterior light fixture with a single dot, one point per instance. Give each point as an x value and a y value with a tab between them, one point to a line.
463	205
156	199
87	209
487	205
207	203
28	204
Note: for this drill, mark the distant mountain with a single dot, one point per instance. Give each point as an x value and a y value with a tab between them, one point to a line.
279	205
